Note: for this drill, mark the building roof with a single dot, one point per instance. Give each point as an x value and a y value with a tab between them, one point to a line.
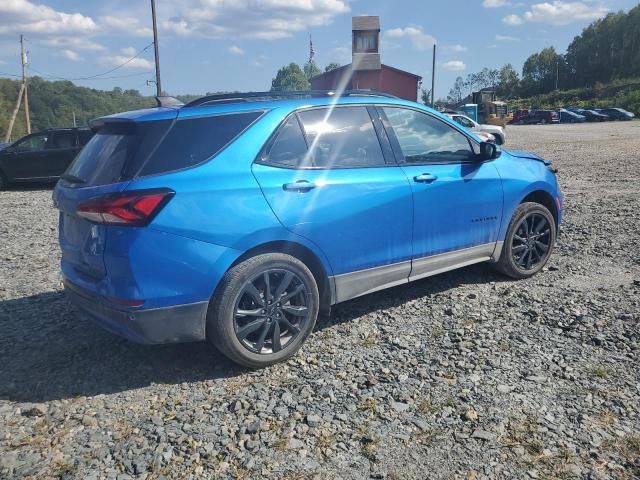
383	66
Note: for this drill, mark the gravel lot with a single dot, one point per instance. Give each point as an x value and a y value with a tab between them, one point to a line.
465	375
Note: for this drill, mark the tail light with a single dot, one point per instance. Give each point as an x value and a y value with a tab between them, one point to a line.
136	208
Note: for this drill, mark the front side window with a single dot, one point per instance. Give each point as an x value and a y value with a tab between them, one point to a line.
464	121
425	139
341	137
33	144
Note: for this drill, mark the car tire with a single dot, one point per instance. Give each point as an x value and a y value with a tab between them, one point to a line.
543	121
255	331
3	181
498	139
529	241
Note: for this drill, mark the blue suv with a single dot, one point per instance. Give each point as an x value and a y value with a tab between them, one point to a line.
238	218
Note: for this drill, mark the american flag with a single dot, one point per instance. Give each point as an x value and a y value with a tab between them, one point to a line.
311	51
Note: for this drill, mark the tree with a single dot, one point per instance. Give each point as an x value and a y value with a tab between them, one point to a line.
311	70
456	92
508	83
425	96
290	77
332	66
541	71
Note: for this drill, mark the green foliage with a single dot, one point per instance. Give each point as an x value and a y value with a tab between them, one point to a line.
425	96
508	82
52	104
332	66
290	77
541	70
311	70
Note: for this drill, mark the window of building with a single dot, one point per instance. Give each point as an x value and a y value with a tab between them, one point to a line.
366	42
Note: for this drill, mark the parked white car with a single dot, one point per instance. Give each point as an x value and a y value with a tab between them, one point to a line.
495	131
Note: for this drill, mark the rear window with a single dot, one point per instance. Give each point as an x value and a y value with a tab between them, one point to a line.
193	140
120	151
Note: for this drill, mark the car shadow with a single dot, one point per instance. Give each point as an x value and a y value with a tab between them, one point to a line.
48	351
30	187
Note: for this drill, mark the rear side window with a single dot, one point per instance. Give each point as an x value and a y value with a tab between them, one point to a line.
84	136
193	140
63	139
289	148
342	137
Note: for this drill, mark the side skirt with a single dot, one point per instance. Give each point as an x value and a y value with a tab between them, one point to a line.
355	284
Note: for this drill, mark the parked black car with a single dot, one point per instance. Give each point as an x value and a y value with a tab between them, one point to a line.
41	156
616	113
541	116
592	115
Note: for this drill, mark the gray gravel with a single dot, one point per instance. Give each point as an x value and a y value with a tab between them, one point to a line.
465	375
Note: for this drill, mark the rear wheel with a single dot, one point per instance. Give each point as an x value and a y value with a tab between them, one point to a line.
263	310
529	241
3	181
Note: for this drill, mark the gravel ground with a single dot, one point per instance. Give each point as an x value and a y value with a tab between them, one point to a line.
465	375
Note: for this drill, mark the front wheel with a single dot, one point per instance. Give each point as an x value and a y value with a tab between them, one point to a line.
498	139
263	310
529	241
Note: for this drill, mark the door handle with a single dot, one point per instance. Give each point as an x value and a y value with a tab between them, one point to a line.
301	186
425	178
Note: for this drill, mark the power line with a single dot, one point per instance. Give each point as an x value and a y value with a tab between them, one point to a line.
91	77
47	77
10	74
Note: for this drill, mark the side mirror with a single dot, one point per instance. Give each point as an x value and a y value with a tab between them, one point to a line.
489	151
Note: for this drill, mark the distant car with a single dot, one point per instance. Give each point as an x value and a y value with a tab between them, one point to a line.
590	115
41	156
567	116
616	113
494	131
542	116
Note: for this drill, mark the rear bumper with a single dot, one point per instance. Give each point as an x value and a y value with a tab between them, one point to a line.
174	324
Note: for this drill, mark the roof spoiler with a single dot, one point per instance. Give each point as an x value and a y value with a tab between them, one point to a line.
165	101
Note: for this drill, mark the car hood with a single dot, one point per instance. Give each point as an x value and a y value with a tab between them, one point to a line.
490	128
528	156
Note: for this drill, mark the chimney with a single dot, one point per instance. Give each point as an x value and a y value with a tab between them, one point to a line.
365	51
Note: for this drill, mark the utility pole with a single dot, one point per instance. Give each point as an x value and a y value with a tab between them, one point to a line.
433	76
24	82
7	136
155	48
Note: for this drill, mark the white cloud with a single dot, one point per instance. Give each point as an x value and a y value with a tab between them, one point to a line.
506	38
126	62
558	13
71	55
419	39
341	55
23	16
267	19
235	50
455	65
126	24
259	61
128	51
513	19
494	3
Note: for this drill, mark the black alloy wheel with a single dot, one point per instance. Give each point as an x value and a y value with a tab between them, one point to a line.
271	311
531	241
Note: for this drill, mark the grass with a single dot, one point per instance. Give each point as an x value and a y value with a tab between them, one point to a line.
600	372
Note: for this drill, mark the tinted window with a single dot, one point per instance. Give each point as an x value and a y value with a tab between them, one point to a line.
341	138
425	139
289	148
84	136
33	143
193	140
117	151
63	139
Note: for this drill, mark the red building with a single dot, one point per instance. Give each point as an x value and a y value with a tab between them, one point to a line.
366	71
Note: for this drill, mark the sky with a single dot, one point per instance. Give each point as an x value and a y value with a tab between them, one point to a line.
238	45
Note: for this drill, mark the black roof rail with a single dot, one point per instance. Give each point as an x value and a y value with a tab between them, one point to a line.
248	96
166	101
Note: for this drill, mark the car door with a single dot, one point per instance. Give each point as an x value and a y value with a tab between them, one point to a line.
457	199
330	177
61	150
23	159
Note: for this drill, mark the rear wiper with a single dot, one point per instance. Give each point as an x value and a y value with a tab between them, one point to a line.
72	178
